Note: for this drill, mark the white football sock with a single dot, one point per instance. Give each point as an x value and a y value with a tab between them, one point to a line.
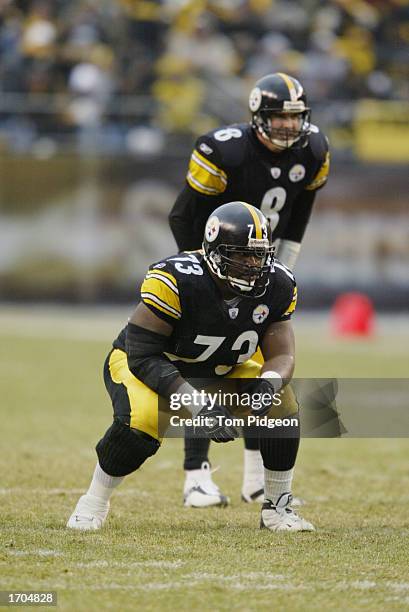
276	483
253	468
102	484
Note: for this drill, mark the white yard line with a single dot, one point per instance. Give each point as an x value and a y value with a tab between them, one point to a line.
27	490
41	552
132	564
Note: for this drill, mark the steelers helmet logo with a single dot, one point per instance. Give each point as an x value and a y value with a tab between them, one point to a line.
260	313
212	229
297	173
255	99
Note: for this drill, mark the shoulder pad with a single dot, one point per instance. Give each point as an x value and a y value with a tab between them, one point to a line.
185	266
284	274
163	264
206	146
160	293
318	144
206	173
214	156
284	291
229	142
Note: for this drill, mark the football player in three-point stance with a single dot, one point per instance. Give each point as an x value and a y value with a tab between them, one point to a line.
203	315
277	162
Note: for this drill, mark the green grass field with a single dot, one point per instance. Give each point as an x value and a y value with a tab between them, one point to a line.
155	555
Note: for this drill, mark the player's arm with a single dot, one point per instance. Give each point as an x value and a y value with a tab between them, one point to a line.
148	331
206	180
188	217
145	343
290	243
149	328
278	348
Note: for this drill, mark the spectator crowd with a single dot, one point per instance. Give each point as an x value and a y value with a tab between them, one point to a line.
185	66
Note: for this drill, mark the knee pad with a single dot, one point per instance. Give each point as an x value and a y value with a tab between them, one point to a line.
122	450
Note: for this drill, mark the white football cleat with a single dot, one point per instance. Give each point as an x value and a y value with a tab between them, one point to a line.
200	491
281	517
89	514
255	494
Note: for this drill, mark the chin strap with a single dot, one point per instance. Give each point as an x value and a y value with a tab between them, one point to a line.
240	284
284	144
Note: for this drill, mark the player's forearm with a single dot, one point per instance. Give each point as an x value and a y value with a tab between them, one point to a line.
288	252
279	370
297	224
146	361
183	233
181	221
278	347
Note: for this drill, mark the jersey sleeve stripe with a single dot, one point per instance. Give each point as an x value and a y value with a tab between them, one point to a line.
165	280
200	187
207	165
293	304
165	274
321	177
204	176
165	295
153	300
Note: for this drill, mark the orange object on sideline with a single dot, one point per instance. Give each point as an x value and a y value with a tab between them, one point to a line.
353	314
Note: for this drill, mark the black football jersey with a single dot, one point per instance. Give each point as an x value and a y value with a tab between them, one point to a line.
211	335
230	164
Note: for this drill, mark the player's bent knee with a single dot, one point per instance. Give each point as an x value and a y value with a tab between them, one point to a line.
122	450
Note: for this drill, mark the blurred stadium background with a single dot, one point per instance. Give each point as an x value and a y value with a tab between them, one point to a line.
100	103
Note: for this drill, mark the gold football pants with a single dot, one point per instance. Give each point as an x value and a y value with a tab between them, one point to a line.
140	406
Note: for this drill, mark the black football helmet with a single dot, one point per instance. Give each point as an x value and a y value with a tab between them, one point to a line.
238	248
277	94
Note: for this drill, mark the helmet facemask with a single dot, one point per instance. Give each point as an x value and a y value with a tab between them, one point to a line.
244	279
282	137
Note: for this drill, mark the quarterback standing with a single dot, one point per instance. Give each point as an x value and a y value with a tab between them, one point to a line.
277	162
202	315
